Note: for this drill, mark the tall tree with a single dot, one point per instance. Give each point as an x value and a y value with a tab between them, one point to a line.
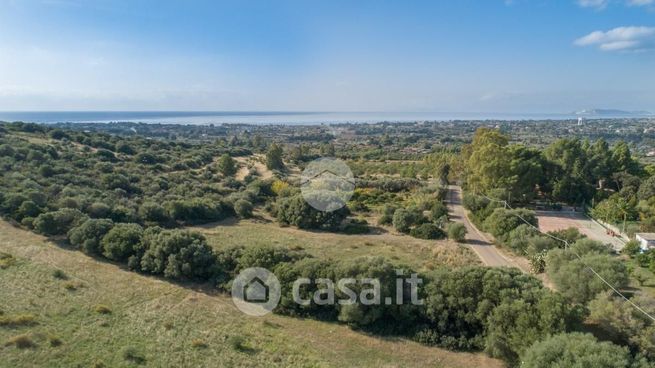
274	157
489	161
226	165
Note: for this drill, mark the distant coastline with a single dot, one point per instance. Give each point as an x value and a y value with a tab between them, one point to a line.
274	117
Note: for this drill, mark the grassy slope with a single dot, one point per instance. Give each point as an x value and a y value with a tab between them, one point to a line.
160	320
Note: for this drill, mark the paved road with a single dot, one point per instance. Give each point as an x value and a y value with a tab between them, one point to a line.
487	252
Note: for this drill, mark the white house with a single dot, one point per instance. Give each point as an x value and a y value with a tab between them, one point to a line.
647	240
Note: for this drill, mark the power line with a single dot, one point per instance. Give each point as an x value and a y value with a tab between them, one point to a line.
567	246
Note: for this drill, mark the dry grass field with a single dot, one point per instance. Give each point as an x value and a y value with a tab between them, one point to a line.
421	254
70	310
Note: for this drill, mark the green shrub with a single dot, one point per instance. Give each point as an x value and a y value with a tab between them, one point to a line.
518	239
356	226
243	208
122	241
438	210
570	234
575	350
541	244
237	342
6	260
153	212
58	222
54	341
59	274
266	257
132	355
427	231
632	248
197	210
296	211
515	325
573	278
457	232
405	219
387	215
177	254
227	165
88	235
502	221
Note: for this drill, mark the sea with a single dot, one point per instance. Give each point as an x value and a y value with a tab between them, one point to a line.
265	117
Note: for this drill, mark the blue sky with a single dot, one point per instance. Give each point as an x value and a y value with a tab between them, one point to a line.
451	56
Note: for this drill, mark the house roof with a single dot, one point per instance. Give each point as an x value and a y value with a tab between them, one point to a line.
646	236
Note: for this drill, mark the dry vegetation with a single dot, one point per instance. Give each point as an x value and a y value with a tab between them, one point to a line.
420	254
156	323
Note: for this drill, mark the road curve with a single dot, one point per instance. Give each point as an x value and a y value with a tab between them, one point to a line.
475	239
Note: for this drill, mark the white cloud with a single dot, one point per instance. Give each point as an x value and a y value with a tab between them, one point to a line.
640	2
620	39
596	4
602	4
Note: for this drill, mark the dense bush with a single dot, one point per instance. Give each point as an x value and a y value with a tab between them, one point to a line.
313	269
620	321
571	274
518	239
386	217
356	226
177	254
462	310
480	207
576	350
243	208
274	157
632	248
297	212
502	221
438	210
515	325
392	185
405	219
427	231
227	165
457	231
58	222
197	210
150	212
122	242
88	235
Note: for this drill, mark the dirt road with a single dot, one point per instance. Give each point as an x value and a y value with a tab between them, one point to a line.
487	252
559	220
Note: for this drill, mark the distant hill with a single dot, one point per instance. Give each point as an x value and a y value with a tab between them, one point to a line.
611	112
